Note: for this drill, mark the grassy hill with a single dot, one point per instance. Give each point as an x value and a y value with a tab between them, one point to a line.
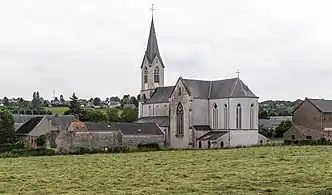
265	170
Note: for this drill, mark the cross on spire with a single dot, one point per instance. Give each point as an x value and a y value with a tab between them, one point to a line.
238	73
152	9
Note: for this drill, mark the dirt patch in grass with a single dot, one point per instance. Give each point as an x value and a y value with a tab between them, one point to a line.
283	170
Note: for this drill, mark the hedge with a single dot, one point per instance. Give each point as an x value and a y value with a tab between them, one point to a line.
9	147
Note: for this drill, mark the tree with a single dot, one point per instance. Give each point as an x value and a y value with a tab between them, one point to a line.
35	103
92	115
129	115
74	107
61	99
7	131
125	100
115	98
134	101
96	101
56	99
113	115
282	128
262	114
5	101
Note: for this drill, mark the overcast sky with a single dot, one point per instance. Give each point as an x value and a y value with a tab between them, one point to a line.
283	48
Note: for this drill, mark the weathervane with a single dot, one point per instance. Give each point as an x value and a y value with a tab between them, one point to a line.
152	9
238	73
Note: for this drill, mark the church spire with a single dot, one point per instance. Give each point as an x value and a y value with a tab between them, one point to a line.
152	48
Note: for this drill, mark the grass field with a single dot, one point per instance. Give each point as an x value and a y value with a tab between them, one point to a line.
62	110
263	170
57	110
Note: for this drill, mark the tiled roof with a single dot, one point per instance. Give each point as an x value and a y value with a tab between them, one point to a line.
161	94
126	128
162	121
225	88
213	135
28	126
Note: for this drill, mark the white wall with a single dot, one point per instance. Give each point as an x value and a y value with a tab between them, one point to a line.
245	105
243	137
200	112
224	138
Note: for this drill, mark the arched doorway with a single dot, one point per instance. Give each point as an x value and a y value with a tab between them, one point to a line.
221	144
209	144
261	142
200	144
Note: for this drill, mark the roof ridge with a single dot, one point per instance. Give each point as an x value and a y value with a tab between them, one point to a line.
234	87
244	91
210	89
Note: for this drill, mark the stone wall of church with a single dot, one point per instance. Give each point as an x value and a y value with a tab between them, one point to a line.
179	141
158	109
151	67
243	137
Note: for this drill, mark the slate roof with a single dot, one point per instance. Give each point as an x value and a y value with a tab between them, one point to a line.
322	105
162	121
268	124
161	94
28	126
126	128
61	122
21	118
225	88
202	127
212	135
152	49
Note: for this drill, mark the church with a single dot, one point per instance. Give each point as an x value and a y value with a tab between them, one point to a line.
196	113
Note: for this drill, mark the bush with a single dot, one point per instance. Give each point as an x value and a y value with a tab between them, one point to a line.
150	146
9	147
28	152
41	140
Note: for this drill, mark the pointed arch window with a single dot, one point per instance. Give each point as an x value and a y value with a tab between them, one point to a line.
156	75
179	120
238	116
146	75
215	116
225	116
252	114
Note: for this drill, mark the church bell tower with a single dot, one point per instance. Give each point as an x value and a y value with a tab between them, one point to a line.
152	68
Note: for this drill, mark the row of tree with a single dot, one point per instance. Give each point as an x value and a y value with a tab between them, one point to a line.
278	132
97	115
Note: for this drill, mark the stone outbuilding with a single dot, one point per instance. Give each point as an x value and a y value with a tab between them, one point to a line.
93	135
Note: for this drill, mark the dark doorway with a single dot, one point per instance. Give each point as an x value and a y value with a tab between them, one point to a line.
221	144
261	142
200	144
209	144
